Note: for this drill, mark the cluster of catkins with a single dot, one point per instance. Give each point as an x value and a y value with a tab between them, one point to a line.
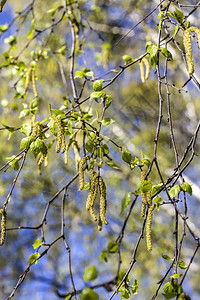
3	226
147	202
96	182
37	132
188	46
61	145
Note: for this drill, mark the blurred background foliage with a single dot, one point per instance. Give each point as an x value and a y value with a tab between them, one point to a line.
134	109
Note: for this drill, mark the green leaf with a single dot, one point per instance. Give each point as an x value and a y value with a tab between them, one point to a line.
108	101
37	243
121	276
103	255
174	191
26	129
169	295
33	257
126	201
153	60
112	165
97	86
175	30
14	163
86	186
4	27
181	264
11	40
89	294
89	146
38	146
125	292
107	121
95	95
24	113
165	256
166	53
143	187
105	149
176	276
157	200
186	187
80	74
151	48
68	296
112	247
34	103
127	59
26	142
126	156
156	189
135	286
90	273
178	15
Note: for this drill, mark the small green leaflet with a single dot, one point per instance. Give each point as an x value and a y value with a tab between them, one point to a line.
126	156
90	273
79	74
103	255
14	163
107	121
68	296
112	165
143	187
181	264
165	256
33	257
151	48
38	146
166	53
24	113
135	286
125	201
156	189
112	247
37	243
176	276
174	191
97	86
89	294
186	187
26	142
178	15
127	59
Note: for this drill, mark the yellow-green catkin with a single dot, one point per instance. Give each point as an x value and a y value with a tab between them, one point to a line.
102	208
148	227
3	226
81	172
142	71
143	196
34	84
42	158
92	193
60	135
148	194
100	224
39	130
147	65
35	130
188	47
28	74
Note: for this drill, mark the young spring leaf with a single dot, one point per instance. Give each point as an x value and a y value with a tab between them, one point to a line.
135	286
143	187
37	243
125	201
166	53
26	142
103	255
107	121
127	157
178	15
112	247
186	187
174	191
97	86
90	273
89	294
33	257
